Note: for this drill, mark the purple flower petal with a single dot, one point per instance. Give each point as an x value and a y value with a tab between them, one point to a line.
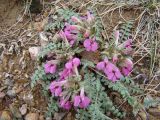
110	75
87	43
76	61
110	66
69	65
114	78
72	42
47	68
85	102
67	105
125	71
118	74
58	91
52	87
100	66
77	100
52	69
68	35
94	46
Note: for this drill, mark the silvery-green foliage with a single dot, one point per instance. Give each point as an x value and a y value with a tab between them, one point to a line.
151	102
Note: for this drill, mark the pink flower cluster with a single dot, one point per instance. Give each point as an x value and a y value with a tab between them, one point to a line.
50	67
58	87
70	32
127	67
126	46
70	68
112	71
125	64
90	44
81	100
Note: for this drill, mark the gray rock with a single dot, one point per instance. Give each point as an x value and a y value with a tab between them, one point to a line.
11	93
23	109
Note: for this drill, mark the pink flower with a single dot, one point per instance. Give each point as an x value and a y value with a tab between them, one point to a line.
102	65
73	62
69	68
127	67
56	87
69	33
127	46
112	72
65	104
65	73
49	67
81	100
90	45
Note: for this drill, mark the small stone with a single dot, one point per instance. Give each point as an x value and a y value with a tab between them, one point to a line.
23	109
34	51
5	116
11	93
32	116
7	75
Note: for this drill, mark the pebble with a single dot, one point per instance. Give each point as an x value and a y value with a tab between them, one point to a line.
7	75
32	116
11	93
23	109
5	116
